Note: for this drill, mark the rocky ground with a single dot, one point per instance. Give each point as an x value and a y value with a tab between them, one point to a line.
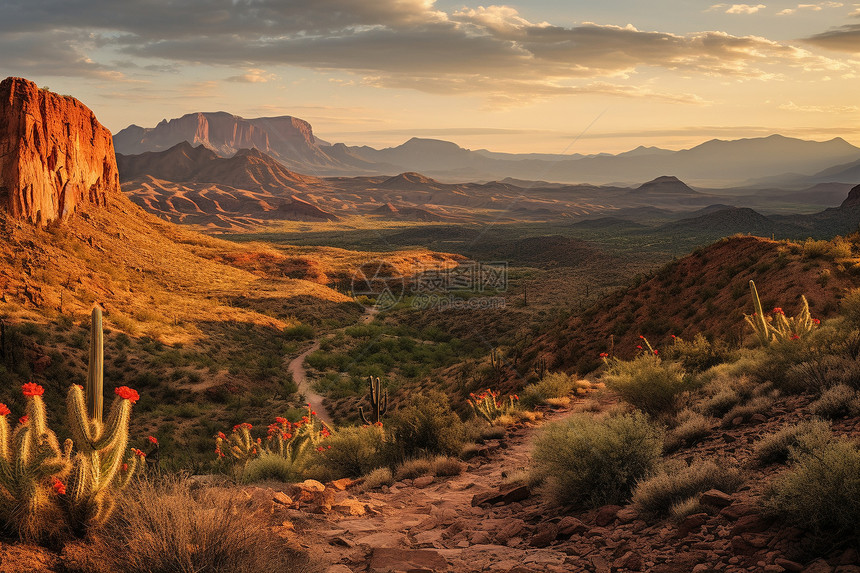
475	522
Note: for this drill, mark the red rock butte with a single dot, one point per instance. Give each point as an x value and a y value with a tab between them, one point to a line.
54	154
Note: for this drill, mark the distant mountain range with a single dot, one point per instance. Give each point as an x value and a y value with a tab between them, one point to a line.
195	185
766	161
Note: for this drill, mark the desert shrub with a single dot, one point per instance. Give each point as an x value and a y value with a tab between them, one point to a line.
447	466
821	491
757	405
354	451
838	248
777	447
648	383
411	469
553	385
677	482
170	527
685	507
590	461
849	307
427	426
378	478
821	372
699	354
270	467
299	332
837	402
692	428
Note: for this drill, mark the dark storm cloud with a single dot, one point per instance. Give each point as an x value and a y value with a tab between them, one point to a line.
843	39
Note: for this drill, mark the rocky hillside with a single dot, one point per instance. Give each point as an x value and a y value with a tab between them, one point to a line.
54	154
706	291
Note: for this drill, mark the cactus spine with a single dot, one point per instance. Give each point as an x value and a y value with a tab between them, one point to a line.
378	403
100	464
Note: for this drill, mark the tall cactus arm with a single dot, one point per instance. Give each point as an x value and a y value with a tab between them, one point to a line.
95	368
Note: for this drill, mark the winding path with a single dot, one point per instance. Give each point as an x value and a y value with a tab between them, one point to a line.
296	367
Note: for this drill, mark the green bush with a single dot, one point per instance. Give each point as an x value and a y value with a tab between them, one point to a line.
427	426
692	428
590	461
757	405
821	491
553	385
677	482
354	451
699	354
836	402
270	467
411	469
378	478
648	383
805	436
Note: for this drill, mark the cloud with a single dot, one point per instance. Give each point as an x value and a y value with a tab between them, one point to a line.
843	39
791	106
253	76
744	8
407	43
818	7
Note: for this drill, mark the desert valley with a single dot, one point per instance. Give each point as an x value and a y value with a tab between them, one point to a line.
228	344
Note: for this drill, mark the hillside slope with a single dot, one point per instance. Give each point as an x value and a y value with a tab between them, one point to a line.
706	291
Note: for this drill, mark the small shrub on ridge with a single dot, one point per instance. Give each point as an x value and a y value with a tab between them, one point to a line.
677	482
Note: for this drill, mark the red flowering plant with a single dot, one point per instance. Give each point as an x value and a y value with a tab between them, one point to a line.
487	405
290	440
778	327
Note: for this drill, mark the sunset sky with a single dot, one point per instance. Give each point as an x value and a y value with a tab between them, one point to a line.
553	76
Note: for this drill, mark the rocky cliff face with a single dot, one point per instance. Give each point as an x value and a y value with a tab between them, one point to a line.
288	139
54	154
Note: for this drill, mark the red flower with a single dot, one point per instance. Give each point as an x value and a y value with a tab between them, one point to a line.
795	337
655	353
79	386
138	453
517	398
59	487
816	321
32	389
639	346
313	413
673	336
24	419
222	436
281	420
4	410
320	448
124	468
127	393
642	337
152	440
605	354
778	310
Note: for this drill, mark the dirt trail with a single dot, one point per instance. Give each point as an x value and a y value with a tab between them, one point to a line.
438	520
296	367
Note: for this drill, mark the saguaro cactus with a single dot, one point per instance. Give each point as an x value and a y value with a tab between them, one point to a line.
378	403
100	464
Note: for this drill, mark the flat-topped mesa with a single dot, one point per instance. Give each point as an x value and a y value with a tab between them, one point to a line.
54	154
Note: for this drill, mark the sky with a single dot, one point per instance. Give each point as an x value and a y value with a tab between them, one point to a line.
547	76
